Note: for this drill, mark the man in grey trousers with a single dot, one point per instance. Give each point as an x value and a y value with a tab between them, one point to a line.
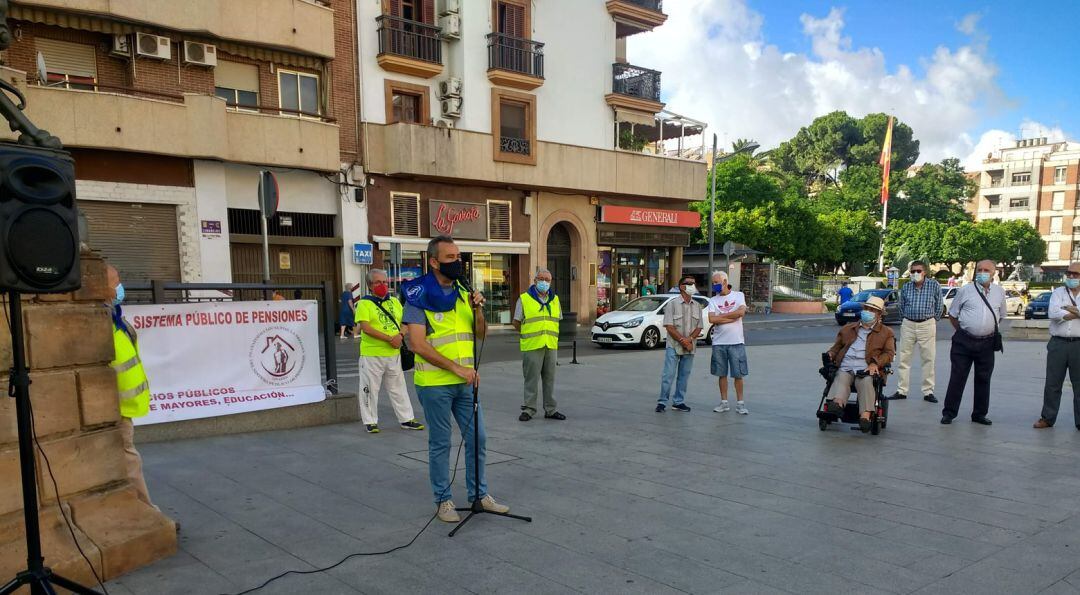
1063	350
537	317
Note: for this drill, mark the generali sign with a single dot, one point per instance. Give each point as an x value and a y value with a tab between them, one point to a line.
459	220
643	216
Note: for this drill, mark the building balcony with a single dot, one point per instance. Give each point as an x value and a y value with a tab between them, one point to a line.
515	62
296	25
636	16
191	125
428	152
409	47
635	89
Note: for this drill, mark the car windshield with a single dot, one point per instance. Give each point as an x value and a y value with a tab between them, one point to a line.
945	291
1043	297
644	304
864	295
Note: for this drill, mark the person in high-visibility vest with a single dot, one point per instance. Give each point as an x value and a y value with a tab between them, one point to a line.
378	316
131	383
537	317
439	323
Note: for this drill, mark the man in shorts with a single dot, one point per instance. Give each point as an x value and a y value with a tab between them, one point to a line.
726	311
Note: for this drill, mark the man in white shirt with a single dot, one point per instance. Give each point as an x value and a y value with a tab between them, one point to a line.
974	314
726	311
1063	350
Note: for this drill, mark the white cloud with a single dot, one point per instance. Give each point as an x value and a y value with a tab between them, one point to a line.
994	140
718	67
969	24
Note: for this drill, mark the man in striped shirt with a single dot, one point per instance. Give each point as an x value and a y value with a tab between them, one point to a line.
921	305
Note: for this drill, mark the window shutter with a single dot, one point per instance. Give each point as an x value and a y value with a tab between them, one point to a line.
61	57
233	75
394	7
499	221
406	215
428	11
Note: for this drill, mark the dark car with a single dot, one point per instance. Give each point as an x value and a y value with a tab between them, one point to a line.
850	310
1038	307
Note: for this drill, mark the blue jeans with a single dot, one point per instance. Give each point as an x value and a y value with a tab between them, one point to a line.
677	367
439	403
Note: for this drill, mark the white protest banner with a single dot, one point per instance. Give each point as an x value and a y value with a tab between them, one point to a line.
220	358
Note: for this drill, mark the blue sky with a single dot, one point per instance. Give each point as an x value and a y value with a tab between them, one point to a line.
969	77
1033	50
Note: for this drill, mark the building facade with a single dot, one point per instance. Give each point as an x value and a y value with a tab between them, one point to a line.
172	108
1036	181
518	128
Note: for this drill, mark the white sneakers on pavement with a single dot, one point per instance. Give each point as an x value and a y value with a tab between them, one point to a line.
447	514
740	408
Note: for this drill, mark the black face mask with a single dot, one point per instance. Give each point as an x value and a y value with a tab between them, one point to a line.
452	270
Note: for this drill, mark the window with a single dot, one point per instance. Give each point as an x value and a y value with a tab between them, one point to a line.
298	92
1055	225
237	84
499	220
1021	179
405	214
993	203
68	65
1053	250
406	102
1059	175
514	126
1018	203
511	18
1059	200
421	11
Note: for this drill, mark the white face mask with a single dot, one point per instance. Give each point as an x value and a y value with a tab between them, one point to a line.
690	289
916	277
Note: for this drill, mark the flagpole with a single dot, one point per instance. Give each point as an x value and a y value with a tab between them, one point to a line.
881	246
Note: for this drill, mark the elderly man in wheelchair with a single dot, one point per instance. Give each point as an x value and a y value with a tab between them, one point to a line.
860	357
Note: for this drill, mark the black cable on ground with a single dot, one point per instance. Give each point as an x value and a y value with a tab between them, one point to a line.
453	477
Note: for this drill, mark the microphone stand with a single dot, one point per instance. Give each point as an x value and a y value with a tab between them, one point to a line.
477	507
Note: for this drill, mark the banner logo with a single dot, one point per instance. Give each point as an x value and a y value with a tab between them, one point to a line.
277	355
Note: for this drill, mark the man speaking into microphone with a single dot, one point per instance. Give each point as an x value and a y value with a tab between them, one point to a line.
439	320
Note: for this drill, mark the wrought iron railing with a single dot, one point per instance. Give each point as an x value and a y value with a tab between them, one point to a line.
518	146
654	5
635	81
411	39
515	54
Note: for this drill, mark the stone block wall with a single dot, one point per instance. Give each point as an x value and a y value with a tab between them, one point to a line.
76	410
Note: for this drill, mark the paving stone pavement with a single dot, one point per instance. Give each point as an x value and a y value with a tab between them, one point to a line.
626	500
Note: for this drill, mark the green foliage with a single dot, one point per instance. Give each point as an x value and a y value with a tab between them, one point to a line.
628	141
964	241
938	191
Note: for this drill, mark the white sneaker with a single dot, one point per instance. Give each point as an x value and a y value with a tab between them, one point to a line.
741	409
447	514
722	408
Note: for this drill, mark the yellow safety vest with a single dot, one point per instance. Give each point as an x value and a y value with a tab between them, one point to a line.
539	327
452	336
131	380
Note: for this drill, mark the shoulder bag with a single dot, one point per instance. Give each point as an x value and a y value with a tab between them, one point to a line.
408	358
999	344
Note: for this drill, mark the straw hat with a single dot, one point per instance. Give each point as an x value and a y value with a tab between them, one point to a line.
875	303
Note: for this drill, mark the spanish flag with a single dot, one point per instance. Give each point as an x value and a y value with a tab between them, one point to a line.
886	163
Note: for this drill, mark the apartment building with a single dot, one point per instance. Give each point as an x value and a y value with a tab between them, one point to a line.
519	128
1036	181
172	108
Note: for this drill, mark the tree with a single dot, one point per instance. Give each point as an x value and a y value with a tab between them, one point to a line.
1001	241
741	145
936	192
853	234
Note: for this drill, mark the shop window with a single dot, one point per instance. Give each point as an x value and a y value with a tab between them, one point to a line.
499	220
405	214
491	275
238	85
406	102
68	65
298	93
513	122
412	265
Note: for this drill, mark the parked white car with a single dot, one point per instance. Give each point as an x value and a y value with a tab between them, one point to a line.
1014	304
641	322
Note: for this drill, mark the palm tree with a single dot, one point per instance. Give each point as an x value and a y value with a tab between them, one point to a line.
741	144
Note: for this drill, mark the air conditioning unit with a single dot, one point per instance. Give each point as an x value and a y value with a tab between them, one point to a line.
202	54
450	124
121	45
451	107
451	87
451	26
153	46
450	7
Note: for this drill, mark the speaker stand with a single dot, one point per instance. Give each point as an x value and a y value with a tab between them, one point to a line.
37	576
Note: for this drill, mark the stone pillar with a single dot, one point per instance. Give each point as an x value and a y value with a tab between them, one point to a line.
76	411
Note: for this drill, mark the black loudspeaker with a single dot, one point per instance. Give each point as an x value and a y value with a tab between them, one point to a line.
39	223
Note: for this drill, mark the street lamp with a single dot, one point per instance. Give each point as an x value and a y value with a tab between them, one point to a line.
749	148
